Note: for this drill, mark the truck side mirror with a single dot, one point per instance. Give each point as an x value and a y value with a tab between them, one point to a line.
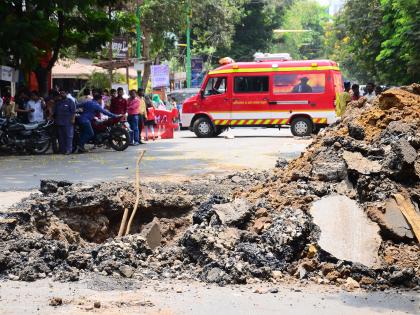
202	94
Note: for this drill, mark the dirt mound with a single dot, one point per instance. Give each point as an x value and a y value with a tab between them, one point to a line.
245	227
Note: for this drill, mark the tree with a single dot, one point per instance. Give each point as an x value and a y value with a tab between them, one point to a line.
305	15
163	24
359	30
400	48
254	31
378	40
35	33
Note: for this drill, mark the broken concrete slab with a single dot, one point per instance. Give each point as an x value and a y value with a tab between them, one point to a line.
411	213
152	234
395	221
357	162
346	231
329	171
233	213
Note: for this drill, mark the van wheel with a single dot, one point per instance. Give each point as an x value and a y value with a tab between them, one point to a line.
203	128
301	127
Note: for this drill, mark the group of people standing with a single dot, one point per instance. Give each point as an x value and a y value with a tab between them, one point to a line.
139	110
352	93
27	107
61	107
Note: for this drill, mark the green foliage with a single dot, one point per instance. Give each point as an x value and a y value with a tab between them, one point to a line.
305	15
377	40
99	80
254	31
28	33
400	49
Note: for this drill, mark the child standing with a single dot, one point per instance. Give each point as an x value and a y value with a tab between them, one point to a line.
150	120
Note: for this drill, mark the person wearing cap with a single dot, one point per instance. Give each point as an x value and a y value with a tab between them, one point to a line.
303	86
343	99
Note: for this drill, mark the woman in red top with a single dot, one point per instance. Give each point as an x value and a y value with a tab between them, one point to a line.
150	120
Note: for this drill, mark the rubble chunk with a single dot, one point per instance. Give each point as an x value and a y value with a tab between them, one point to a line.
395	222
357	162
234	213
346	231
356	131
152	234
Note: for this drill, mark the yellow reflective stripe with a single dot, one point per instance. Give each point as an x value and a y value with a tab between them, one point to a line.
323	120
286	69
241	122
232	122
224	122
217	121
275	121
250	122
267	121
258	121
284	121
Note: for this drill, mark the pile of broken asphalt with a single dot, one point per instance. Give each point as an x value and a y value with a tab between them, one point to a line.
334	215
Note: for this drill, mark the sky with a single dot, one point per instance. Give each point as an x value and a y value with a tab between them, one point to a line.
335	4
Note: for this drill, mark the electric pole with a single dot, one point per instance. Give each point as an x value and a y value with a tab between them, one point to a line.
138	31
188	61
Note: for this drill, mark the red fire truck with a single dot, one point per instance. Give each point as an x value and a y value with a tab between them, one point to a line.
268	93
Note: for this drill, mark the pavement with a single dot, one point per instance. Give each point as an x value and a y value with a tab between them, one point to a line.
181	157
170	297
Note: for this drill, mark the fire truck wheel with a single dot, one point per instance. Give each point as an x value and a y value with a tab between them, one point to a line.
203	128
301	127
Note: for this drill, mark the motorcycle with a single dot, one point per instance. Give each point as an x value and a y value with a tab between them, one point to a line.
113	132
33	138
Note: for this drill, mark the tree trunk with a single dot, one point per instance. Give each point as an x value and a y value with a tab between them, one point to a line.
146	56
43	73
42	78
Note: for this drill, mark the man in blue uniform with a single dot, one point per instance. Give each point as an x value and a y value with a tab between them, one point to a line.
64	112
90	108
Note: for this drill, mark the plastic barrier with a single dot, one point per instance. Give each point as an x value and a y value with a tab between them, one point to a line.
165	124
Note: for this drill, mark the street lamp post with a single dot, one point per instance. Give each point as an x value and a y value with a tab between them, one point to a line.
138	31
188	61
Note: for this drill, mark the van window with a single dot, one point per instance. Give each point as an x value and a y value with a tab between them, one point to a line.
338	83
253	84
216	86
299	83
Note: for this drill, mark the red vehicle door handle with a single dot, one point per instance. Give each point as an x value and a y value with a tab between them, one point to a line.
313	104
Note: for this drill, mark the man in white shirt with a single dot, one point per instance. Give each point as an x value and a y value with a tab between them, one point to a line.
370	92
36	107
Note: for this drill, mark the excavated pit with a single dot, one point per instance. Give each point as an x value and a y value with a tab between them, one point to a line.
244	227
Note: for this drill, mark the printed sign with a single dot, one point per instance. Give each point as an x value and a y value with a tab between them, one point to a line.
160	76
7	74
120	48
196	72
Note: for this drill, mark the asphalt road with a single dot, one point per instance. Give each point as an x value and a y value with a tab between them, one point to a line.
181	157
172	297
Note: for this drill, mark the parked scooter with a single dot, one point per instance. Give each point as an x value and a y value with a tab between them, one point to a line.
31	138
